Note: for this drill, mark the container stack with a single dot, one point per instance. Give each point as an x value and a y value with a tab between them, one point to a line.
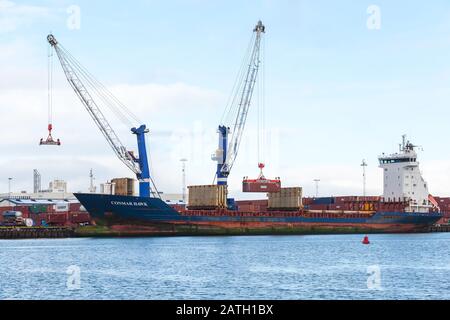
123	186
207	197
286	199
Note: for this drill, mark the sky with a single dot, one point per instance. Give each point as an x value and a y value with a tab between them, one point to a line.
343	81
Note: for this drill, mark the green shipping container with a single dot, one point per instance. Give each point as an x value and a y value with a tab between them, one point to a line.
38	208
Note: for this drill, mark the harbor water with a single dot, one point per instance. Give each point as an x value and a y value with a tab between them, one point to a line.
392	266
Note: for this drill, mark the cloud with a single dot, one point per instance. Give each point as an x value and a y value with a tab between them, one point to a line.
169	110
164	106
13	16
179	97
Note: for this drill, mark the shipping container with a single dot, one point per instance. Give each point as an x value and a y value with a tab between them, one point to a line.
57	219
38	208
340	206
319	207
79	217
124	186
285	199
323	200
262	202
207	197
61	207
259	185
75	207
231	204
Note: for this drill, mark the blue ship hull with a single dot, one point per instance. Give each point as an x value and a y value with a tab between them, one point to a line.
140	211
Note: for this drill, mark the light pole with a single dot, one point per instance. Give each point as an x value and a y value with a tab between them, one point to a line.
9	188
183	172
364	165
317	186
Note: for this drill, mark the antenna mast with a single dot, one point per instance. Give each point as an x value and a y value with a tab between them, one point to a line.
317	186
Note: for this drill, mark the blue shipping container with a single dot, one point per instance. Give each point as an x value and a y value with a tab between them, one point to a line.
323	200
231	204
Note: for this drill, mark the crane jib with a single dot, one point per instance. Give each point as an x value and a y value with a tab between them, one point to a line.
228	150
74	72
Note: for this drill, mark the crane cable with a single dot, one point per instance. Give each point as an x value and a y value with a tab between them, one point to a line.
50	84
242	109
232	106
261	108
109	100
107	95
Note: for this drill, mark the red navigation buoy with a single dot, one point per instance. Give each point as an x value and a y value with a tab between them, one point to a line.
366	240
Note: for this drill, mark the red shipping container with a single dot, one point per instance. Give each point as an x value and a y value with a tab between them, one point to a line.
246	208
258	185
318	207
56	218
263	202
79	217
74	207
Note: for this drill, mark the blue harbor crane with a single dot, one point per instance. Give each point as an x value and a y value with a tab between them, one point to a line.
245	84
80	80
236	114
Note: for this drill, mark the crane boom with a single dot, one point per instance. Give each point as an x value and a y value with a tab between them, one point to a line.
227	152
139	165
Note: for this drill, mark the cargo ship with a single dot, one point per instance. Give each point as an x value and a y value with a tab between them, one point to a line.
405	206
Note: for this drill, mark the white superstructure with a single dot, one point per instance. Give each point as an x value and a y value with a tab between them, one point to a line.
56	186
402	179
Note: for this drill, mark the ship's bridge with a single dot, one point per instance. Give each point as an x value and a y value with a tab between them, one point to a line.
396	158
406	154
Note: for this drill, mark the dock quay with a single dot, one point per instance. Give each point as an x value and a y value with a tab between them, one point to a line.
35	232
440	228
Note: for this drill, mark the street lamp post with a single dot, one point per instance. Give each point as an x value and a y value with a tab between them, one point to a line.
317	186
9	188
183	171
364	165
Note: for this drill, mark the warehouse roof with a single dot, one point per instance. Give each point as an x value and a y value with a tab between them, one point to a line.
31	202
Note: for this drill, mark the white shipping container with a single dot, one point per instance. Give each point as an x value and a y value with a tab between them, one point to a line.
207	196
61	207
286	198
